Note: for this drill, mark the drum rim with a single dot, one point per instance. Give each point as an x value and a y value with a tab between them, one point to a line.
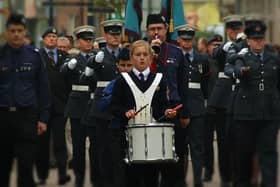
151	125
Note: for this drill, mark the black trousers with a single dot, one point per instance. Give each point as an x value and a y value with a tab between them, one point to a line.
56	131
78	134
18	132
117	146
260	136
216	120
104	155
195	142
173	174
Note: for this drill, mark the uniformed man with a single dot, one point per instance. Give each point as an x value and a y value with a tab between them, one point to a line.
53	59
78	99
220	98
197	75
213	41
170	61
24	103
256	108
105	69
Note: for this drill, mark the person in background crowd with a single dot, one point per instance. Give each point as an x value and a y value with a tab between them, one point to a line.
101	43
78	100
169	60
24	103
53	58
105	69
197	75
220	101
28	39
116	129
202	45
213	41
63	44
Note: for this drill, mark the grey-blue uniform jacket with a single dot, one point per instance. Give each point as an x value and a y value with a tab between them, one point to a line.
220	95
80	90
198	73
258	94
24	80
104	72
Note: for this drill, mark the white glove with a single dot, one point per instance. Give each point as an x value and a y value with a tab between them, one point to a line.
99	57
241	36
88	71
227	46
72	63
243	51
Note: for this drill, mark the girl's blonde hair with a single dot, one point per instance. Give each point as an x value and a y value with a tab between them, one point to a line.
140	43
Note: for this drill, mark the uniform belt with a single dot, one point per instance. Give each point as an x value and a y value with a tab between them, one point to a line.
194	85
237	81
102	83
81	88
91	95
15	109
222	75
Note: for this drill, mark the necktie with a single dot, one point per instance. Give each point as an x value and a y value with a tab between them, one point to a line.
51	56
259	57
141	75
113	54
87	56
187	55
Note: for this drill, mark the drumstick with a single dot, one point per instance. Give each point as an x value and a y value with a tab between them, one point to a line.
174	109
142	108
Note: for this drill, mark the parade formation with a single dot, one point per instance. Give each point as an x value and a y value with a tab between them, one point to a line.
146	106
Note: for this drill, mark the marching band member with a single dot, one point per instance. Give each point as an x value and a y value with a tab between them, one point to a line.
131	92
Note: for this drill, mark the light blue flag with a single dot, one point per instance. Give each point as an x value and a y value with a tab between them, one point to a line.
133	19
174	12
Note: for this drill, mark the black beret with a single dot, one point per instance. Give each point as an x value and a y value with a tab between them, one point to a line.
124	54
255	30
214	38
49	30
155	18
17	19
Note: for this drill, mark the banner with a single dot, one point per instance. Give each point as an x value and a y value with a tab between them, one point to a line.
133	19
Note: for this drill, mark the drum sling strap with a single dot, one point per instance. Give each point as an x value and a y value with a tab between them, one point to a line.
142	98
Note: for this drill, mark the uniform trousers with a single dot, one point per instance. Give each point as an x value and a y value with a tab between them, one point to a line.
56	131
260	136
18	132
195	142
173	174
216	120
79	133
104	156
117	146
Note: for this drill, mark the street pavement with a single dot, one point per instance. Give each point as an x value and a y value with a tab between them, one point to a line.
52	180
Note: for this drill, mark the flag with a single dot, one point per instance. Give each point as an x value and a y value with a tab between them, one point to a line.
173	11
133	19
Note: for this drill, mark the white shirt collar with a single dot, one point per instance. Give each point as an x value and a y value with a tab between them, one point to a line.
146	73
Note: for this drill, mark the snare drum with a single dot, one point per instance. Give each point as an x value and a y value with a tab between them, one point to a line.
150	143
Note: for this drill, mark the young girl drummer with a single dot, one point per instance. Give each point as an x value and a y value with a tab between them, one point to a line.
131	92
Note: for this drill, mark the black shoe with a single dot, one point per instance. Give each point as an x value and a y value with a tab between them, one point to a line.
64	180
226	184
78	185
198	185
41	182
